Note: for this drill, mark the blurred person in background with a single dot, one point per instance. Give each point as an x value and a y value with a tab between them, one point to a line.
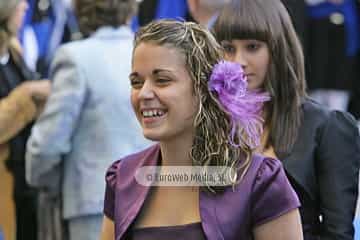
88	121
21	100
158	9
48	24
332	43
205	12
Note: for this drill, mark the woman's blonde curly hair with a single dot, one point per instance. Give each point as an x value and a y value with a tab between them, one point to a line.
211	145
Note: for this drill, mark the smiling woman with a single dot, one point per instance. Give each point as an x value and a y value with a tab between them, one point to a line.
180	90
162	95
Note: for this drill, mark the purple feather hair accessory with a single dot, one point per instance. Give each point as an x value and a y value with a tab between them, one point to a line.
244	106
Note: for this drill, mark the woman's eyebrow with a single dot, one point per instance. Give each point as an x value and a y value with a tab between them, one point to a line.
157	71
154	72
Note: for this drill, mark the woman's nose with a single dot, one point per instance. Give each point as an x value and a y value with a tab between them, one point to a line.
147	90
241	59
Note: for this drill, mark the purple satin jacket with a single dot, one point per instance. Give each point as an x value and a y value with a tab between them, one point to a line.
263	194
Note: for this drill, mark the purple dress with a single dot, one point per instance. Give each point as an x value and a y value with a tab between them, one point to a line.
192	231
263	195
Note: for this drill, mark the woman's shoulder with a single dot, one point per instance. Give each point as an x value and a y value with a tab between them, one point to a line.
264	167
129	164
262	171
315	110
271	193
321	117
263	194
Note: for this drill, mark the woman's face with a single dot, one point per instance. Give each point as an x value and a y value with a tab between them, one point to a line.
162	93
254	57
17	18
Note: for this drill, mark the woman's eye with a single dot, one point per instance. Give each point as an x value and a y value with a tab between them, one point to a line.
229	49
253	46
135	83
162	80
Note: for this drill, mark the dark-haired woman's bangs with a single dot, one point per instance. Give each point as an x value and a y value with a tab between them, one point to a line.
241	25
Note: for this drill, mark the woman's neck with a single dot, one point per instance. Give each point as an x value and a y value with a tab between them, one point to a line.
176	152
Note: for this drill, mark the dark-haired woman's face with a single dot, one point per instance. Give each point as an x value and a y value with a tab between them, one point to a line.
253	55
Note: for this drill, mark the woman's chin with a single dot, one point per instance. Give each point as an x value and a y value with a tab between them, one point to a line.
152	136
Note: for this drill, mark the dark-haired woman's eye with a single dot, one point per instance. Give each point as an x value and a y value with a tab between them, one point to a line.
252	47
229	49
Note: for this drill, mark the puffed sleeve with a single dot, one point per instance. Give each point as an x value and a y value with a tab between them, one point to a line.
272	194
111	179
338	159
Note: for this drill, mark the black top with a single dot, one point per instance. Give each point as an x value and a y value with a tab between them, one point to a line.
323	168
